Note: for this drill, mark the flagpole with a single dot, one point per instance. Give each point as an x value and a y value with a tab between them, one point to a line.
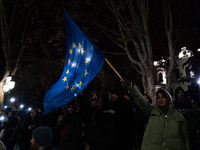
114	69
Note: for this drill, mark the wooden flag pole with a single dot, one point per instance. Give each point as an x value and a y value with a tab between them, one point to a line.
114	69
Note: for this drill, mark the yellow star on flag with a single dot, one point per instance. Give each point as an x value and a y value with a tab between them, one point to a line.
85	73
74	45
67	86
80	83
70	51
79	45
86	61
67	71
82	51
69	60
72	88
64	79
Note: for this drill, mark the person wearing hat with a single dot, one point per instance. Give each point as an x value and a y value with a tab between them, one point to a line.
125	119
41	138
166	128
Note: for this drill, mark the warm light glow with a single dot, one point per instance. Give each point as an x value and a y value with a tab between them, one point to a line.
9	85
5	87
156	63
8	79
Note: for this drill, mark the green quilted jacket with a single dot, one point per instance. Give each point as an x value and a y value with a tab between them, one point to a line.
163	132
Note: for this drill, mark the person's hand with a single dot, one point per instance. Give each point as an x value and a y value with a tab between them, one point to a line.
131	85
125	83
32	127
60	118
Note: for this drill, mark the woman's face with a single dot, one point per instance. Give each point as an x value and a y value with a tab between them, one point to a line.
161	100
33	113
71	109
9	114
95	96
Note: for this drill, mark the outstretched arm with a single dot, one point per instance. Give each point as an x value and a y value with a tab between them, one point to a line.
141	101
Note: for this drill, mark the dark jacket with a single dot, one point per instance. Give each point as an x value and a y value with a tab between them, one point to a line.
104	133
73	139
125	122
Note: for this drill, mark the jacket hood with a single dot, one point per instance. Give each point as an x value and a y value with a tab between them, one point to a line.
165	93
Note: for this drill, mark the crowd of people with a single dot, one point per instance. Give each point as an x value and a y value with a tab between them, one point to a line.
117	122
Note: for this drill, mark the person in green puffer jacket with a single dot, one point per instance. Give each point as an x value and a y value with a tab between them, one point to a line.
166	128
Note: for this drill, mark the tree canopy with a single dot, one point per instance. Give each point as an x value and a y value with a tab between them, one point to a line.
36	38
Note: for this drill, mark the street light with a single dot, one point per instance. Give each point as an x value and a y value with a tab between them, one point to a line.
9	85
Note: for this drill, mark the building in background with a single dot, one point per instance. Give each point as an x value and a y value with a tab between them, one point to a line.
183	76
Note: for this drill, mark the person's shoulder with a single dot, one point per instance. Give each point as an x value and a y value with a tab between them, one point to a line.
48	148
178	116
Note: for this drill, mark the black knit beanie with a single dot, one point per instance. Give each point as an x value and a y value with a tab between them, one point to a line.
114	91
43	136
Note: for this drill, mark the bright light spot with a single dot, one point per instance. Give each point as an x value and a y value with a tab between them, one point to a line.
5	87
198	50
185	53
29	109
156	63
78	50
8	79
88	59
2	118
198	81
164	77
163	60
75	94
21	106
180	55
73	64
192	75
12	99
11	85
5	107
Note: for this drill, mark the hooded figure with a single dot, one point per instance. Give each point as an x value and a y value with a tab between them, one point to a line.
180	100
166	128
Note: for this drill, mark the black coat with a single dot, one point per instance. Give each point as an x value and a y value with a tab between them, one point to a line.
125	121
104	132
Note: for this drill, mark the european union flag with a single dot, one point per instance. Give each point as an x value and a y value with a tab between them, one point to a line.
83	62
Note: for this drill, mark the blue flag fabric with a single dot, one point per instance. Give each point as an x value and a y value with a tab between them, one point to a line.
83	62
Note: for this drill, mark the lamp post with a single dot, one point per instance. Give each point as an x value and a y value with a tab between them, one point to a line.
9	85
